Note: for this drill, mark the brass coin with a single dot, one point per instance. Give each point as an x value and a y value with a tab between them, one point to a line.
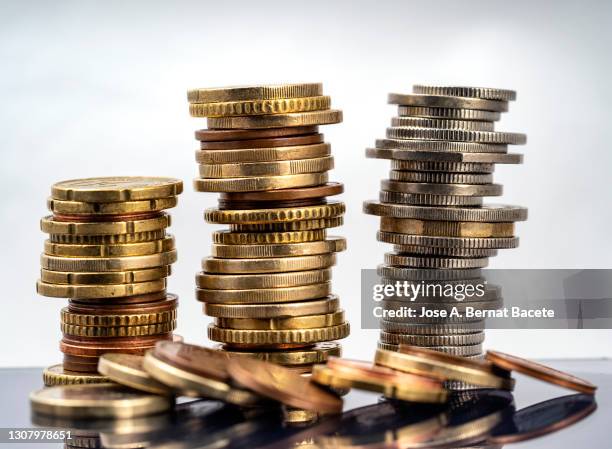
257	251
57	375
123	320
113	239
259	183
295	357
282	323
126	207
276	168
263	155
264	295
259	107
325	117
254	92
224	204
269	265
126	369
98	291
261	281
142	304
446	228
97	401
116	189
127	301
272	142
103	264
326	305
118	250
278	337
322	191
54	226
303	225
256	238
283	385
329	210
221	135
440	101
118	331
117	277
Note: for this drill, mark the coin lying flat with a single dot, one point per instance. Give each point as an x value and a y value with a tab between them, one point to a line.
274	238
487	93
451	242
264	295
259	107
99	291
329	210
97	401
288	226
118	331
325	117
433	340
470	229
443	156
448	113
254	92
57	375
255	251
110	320
115	208
426	199
112	277
263	155
485	213
442	189
116	189
440	177
456	135
113	239
222	135
259	183
277	337
269	142
449	252
404	260
261	281
282	323
319	353
443	146
121	227
269	264
119	250
440	101
126	369
275	168
103	264
422	122
325	305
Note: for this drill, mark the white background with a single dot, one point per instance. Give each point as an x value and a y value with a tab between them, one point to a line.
98	88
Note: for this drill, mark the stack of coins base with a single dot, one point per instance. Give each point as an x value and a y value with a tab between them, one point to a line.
109	254
443	149
267	283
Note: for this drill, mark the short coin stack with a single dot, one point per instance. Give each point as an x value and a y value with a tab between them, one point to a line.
443	149
109	254
267	284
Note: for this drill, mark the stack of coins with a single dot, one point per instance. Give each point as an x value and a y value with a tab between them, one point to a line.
109	254
443	149
267	283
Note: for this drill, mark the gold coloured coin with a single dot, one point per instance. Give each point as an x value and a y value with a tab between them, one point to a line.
282	323
264	295
254	92
97	401
260	183
116	320
126	207
261	281
119	250
446	228
116	189
286	250
259	107
295	357
288	226
274	238
276	168
252	216
278	337
57	375
114	277
103	264
99	291
118	331
269	265
126	369
265	311
106	228
288	153
326	117
68	239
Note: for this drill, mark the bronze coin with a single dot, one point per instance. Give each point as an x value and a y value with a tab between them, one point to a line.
168	303
80	364
539	371
329	189
266	346
194	359
306	139
239	205
95	347
213	135
106	218
137	299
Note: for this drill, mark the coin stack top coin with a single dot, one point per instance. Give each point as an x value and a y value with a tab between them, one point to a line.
108	253
443	148
268	281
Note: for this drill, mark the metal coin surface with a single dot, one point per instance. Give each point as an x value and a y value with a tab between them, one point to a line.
126	369
116	189
221	135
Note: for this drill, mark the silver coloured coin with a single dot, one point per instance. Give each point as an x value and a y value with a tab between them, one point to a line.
448	242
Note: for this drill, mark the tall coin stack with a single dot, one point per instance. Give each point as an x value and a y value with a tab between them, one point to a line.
443	149
267	283
109	254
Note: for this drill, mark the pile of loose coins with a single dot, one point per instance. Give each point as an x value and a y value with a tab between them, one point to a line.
109	254
443	149
268	282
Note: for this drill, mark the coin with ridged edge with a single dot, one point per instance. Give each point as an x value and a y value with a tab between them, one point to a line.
442	146
254	92
53	226
431	329
444	156
261	281
456	135
326	117
126	369
68	239
421	199
259	107
439	228
325	305
118	331
118	250
449	252
423	122
103	264
295	357
331	209
442	189
117	208
269	265
418	274
435	262
118	320
99	291
486	93
432	340
113	277
288	226
116	189
275	168
441	177
264	295
304	193
485	213
255	251
278	337
440	101
448	113
252	238
262	155
282	323
259	183
57	375
450	242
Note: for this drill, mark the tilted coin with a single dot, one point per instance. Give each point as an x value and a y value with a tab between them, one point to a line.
220	135
331	209
275	238
118	331
103	264
325	305
113	239
281	384
254	92
57	375
299	193
440	177
112	277
432	329
287	226
326	117
264	295
442	189
259	183
485	213
281	323
125	207
418	274
432	340
116	189
97	401
457	135
434	262
421	199
468	229
443	146
126	369
423	122
271	142
278	337
294	357
261	281
118	250
276	168
259	107
53	226
440	101
448	113
443	156
99	291
450	252
262	155
256	251
449	242
487	93
269	264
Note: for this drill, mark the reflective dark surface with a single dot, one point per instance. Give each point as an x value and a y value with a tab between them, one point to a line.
536	416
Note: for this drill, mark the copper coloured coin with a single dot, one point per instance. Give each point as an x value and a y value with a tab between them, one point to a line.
194	359
539	371
306	139
127	300
104	218
95	347
211	135
80	364
168	303
322	191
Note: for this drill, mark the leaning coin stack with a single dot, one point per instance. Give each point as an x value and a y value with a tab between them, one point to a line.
109	254
443	149
267	283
